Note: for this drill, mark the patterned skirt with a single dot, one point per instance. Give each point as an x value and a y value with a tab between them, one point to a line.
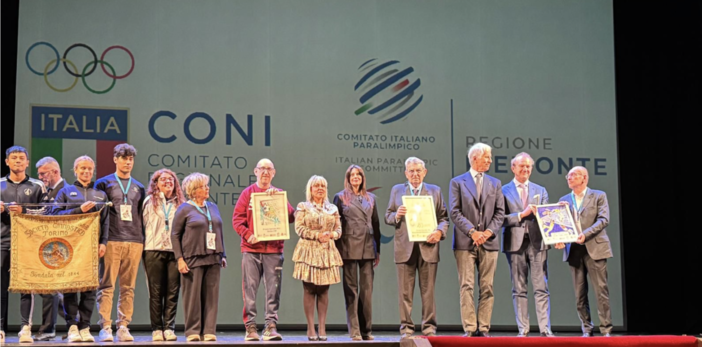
317	262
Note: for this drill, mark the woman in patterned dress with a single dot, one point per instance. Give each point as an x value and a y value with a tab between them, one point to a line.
316	258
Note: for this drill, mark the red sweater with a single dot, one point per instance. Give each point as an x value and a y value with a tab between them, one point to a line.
242	219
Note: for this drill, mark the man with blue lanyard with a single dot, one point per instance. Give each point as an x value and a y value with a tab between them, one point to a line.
124	246
587	257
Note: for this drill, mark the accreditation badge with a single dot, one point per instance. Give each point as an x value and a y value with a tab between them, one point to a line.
125	212
211	244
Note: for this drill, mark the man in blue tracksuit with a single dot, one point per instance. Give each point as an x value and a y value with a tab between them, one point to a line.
16	188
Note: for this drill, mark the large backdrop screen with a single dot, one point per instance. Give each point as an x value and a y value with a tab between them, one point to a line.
213	86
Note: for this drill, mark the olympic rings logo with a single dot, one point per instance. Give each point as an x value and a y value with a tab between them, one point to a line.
88	69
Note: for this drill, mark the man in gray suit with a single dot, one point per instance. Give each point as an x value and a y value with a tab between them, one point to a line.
49	172
413	257
523	245
477	210
588	255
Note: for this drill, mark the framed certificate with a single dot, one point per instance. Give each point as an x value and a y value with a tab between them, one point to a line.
420	217
556	224
270	216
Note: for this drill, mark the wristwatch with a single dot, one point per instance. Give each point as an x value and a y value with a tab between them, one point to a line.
470	233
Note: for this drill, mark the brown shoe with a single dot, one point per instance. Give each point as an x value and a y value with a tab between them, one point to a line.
271	334
252	333
368	337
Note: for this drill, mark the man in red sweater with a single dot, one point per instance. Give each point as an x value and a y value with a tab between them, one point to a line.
262	259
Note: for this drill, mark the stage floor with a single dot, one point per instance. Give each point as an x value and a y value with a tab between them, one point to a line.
382	339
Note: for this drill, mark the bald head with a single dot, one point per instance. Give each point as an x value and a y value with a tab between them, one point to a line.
264	171
577	178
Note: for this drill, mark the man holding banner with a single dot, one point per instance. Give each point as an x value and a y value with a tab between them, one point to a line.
16	188
49	172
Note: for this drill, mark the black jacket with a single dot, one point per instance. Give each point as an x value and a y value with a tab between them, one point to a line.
30	190
78	194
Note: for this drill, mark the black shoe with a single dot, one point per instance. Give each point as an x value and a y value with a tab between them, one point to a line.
485	334
547	333
469	334
523	334
587	334
368	337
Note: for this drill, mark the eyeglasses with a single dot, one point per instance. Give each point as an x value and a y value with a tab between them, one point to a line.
165	179
42	174
266	169
574	174
412	172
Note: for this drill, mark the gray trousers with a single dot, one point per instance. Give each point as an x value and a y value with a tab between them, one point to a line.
255	266
358	295
466	262
201	299
525	260
597	271
406	273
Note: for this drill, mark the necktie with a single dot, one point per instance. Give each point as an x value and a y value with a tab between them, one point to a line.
416	191
523	195
479	183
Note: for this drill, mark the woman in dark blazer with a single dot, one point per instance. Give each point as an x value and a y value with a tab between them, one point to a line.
359	246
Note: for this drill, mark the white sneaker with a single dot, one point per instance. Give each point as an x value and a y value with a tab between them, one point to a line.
25	335
74	334
106	335
85	335
157	335
169	335
2	336
123	334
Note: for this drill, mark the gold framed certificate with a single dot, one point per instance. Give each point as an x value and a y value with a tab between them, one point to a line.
556	224
270	216
420	218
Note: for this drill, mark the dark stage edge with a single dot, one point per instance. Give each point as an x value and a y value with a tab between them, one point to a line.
290	338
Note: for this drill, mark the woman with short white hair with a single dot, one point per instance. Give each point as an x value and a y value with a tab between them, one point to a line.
316	258
198	245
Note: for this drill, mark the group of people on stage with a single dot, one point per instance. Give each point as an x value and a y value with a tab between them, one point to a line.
177	234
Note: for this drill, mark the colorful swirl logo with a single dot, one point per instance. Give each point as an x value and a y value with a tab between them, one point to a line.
385	91
88	69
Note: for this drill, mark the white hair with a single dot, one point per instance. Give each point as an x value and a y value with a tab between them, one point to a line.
414	160
49	161
524	155
478	150
193	181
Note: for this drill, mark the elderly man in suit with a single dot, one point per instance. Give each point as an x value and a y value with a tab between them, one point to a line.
523	245
477	210
587	257
413	257
49	172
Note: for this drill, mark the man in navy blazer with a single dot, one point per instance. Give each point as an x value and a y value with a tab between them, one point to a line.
412	258
587	257
477	208
524	247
